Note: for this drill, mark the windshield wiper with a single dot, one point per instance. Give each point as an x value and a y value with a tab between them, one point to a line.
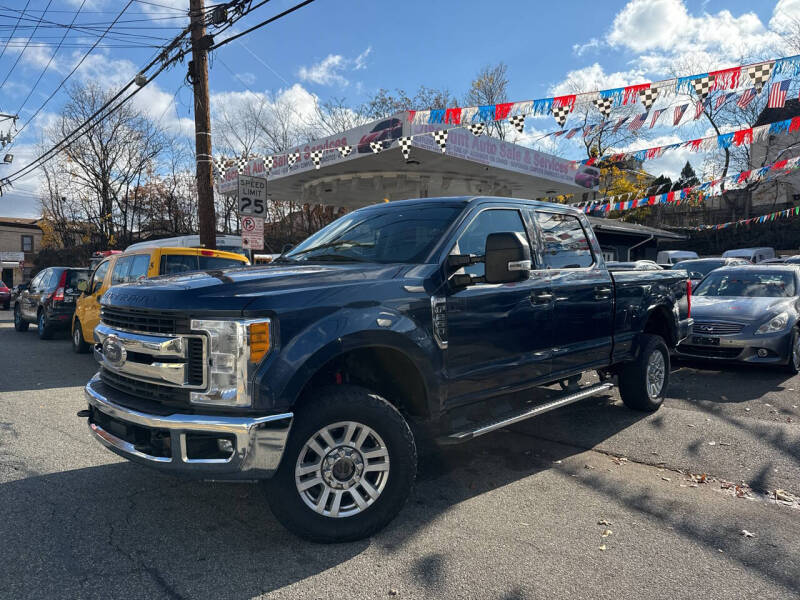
337	258
334	244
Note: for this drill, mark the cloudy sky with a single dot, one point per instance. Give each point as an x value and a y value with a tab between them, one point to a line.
350	48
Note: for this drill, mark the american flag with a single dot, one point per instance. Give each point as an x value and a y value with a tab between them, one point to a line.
656	114
777	94
679	110
746	98
637	122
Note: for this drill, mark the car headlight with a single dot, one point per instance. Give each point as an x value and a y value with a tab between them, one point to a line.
776	323
235	348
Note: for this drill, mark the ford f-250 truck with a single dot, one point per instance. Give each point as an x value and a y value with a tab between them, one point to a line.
443	317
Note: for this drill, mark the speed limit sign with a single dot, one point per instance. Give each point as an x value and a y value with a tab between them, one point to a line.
252	196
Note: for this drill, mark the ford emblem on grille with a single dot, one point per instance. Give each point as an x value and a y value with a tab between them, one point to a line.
114	352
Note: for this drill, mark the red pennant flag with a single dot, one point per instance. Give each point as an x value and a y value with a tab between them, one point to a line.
779	165
743	176
651	200
568	101
453	115
671	197
631	93
591	161
501	110
411	114
795	124
743	136
726	79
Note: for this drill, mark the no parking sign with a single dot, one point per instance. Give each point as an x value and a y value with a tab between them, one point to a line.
252	232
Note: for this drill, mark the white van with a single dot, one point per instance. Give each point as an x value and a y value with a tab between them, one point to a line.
670	257
754	255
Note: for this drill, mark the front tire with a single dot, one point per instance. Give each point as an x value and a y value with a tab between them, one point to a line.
793	367
643	382
20	324
348	467
79	346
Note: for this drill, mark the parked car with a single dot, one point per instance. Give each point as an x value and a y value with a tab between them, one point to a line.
17	290
587	176
635	265
747	314
700	267
49	300
385	131
667	258
5	296
754	255
308	371
141	263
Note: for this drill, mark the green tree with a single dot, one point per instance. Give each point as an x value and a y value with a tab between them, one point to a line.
687	178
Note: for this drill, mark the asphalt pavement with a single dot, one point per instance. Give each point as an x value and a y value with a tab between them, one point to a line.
592	501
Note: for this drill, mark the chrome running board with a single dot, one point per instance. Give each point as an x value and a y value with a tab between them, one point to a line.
527	413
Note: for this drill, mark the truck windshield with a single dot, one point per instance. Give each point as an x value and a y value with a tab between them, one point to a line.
392	235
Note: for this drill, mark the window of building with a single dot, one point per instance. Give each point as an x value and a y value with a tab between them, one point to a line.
27	243
566	245
473	239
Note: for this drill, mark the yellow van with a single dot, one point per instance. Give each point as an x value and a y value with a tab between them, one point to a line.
133	266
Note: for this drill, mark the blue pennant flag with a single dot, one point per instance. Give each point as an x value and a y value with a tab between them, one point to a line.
542	106
437	116
486	113
780	126
615	93
787	66
725	140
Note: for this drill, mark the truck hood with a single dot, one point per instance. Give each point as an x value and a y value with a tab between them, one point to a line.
743	310
231	290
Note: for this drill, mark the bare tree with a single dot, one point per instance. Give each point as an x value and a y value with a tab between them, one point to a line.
490	86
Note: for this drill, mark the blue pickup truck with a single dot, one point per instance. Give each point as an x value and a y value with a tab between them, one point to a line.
445	317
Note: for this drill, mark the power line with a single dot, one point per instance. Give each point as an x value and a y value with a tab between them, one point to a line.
15	26
19	56
267	22
52	56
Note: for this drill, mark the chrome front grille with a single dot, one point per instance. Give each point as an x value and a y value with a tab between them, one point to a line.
165	360
716	328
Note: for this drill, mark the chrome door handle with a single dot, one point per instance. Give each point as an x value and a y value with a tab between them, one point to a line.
602	293
542	298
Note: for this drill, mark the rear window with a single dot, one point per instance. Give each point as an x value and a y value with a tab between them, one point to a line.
178	263
75	276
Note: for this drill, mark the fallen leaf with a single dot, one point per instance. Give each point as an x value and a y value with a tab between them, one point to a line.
557	462
691	425
747	534
747	410
603	547
606	533
393	592
712	443
604	522
666	479
783	496
588	467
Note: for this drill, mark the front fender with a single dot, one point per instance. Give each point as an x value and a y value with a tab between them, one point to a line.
280	380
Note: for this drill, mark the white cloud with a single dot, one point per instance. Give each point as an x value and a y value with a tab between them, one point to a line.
331	69
594	77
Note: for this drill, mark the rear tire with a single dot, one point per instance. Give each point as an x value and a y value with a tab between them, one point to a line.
6	305
794	354
357	480
20	324
79	346
643	382
44	328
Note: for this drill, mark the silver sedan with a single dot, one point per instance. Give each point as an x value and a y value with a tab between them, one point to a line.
747	314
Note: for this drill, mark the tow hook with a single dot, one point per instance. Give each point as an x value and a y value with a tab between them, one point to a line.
84	413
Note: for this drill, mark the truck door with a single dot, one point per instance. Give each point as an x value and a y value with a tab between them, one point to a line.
583	294
499	335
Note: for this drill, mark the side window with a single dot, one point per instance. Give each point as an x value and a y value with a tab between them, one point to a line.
566	245
121	268
99	276
473	239
37	280
139	267
49	284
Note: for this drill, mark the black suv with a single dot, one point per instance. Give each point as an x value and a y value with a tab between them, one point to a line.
49	300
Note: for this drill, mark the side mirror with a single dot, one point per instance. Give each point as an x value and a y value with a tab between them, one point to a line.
507	258
82	285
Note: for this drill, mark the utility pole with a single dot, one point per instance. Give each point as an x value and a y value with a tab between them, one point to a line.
198	68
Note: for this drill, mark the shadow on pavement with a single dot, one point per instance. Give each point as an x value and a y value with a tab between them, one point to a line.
700	381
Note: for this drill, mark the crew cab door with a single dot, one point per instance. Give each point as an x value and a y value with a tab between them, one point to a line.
583	292
499	335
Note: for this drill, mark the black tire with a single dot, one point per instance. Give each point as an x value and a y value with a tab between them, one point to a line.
79	346
793	367
43	327
327	407
633	377
20	324
6	305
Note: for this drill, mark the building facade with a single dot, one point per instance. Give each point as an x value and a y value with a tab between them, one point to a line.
20	240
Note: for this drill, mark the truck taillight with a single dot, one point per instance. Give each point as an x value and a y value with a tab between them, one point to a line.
689	298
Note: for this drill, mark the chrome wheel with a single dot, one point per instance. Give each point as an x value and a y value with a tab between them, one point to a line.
76	336
40	323
656	369
342	469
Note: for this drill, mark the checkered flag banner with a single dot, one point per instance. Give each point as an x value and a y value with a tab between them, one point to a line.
604	105
376	146
405	145
241	163
316	156
292	158
648	96
219	165
345	150
268	162
759	75
441	138
476	128
518	121
703	85
560	113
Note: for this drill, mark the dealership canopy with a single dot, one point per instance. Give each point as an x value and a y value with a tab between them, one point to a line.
368	164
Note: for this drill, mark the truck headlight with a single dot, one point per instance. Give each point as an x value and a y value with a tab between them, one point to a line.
235	348
776	323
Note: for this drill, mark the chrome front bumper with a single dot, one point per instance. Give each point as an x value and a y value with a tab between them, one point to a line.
257	443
